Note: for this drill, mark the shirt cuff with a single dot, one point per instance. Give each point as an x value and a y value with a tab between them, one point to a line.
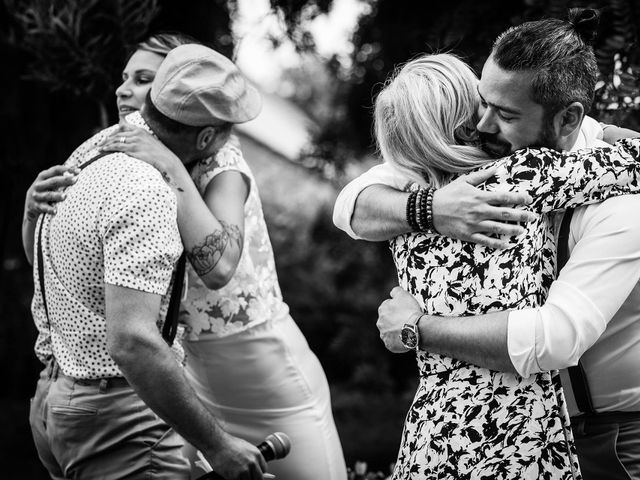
521	341
343	211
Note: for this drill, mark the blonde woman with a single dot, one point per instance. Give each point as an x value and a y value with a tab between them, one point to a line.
467	421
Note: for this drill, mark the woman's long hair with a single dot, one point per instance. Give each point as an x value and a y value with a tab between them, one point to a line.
425	118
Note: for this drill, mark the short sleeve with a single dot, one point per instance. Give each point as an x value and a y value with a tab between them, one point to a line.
141	240
228	158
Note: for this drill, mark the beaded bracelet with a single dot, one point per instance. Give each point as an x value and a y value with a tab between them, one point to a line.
421	206
411	211
419	211
429	211
424	209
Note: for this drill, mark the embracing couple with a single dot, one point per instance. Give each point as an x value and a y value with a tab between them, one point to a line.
478	301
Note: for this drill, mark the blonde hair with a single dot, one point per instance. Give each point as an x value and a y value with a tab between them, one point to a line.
425	117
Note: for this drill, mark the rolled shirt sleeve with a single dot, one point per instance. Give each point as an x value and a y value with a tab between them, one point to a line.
603	268
383	174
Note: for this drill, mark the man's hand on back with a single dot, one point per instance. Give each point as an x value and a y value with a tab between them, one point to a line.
462	211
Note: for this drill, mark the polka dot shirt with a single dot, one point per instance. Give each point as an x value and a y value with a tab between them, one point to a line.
118	225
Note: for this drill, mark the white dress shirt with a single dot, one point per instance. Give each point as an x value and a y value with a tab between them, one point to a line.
593	308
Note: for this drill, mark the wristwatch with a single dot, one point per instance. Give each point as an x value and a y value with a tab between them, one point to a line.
410	335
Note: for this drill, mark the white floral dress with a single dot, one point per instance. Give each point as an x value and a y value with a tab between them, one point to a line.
253	294
247	360
468	422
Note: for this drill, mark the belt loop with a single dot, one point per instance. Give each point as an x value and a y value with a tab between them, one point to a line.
50	368
55	368
578	425
104	383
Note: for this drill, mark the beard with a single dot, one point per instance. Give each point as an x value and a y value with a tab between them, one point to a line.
498	148
493	146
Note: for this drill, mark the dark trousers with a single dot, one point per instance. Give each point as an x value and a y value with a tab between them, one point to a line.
608	445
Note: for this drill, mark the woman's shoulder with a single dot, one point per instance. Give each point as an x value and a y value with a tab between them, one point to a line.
228	158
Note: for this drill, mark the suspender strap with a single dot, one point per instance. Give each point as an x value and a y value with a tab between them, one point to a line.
41	267
170	326
579	382
93	159
39	254
581	390
563	240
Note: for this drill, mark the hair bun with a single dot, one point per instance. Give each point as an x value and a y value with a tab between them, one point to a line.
585	21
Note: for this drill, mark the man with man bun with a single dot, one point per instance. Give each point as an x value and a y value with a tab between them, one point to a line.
535	89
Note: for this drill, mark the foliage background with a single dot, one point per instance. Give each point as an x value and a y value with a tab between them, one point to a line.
58	84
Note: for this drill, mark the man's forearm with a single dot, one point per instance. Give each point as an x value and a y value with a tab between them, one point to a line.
459	211
150	367
480	340
380	213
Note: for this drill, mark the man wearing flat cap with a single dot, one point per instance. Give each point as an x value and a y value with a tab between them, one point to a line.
113	400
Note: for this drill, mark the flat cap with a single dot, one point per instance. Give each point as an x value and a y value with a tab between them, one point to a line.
196	86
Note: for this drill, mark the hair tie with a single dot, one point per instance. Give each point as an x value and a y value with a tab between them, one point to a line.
585	22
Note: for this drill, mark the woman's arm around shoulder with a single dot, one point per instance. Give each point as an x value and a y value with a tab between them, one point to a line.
216	256
557	180
212	224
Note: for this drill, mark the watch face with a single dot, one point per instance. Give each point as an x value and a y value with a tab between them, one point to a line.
409	336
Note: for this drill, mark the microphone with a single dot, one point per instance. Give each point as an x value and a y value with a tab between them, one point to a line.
275	446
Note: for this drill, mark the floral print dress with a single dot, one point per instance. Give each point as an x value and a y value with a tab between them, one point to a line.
468	422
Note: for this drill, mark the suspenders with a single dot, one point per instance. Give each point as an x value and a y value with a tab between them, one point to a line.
170	326
577	374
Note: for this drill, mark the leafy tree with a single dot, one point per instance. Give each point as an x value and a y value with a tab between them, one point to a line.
394	31
75	45
79	46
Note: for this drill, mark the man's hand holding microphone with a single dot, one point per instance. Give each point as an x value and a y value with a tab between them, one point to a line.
275	446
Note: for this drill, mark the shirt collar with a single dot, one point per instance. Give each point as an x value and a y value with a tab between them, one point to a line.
581	142
136	119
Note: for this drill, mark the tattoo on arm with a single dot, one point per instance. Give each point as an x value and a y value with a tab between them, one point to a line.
234	233
170	182
206	256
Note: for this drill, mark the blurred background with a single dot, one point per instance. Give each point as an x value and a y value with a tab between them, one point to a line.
318	63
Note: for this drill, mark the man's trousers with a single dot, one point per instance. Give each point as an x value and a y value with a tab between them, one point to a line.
101	429
608	445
